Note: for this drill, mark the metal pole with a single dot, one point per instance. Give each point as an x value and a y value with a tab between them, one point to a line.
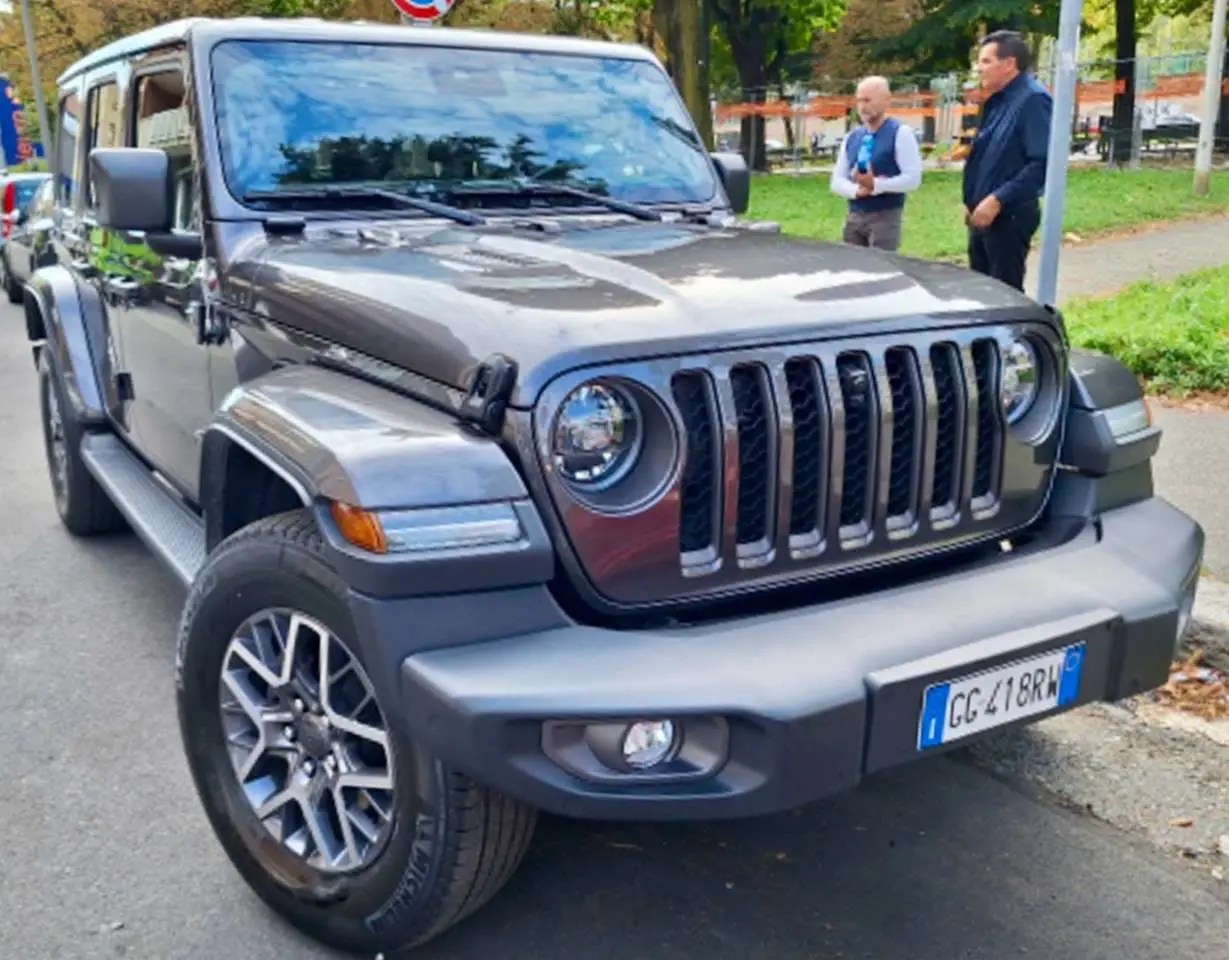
37	80
1211	101
1060	149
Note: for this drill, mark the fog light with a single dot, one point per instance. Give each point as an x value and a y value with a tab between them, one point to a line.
648	743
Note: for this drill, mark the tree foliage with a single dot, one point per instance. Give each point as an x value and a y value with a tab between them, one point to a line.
946	31
848	53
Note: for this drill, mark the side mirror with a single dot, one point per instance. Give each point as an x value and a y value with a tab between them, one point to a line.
736	178
131	188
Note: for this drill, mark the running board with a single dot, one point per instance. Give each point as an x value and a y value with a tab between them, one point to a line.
168	529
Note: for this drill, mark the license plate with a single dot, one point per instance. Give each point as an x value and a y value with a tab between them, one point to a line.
961	708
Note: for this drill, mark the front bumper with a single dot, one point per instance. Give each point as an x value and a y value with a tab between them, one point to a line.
812	699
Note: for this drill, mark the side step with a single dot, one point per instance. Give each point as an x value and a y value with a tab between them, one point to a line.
174	534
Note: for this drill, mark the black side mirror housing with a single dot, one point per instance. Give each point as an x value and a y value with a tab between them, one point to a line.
131	188
736	178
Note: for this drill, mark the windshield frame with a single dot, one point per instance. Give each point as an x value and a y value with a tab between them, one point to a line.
226	203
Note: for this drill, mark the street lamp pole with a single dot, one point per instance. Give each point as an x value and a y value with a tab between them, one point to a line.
1065	78
1211	101
37	79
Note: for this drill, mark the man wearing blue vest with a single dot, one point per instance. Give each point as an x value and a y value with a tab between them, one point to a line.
878	164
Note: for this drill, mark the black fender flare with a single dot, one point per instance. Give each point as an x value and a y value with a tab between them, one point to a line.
1109	426
334	437
72	322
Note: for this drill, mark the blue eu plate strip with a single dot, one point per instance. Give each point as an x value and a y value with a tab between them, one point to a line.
1073	668
934	717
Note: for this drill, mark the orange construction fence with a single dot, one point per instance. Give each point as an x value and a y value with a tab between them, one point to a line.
918	106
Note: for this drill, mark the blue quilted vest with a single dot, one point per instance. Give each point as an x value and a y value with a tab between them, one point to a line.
883	162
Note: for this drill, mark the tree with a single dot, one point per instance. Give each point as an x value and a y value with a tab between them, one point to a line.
848	53
683	27
761	37
945	33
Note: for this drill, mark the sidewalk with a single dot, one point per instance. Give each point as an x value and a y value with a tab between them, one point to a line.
1099	267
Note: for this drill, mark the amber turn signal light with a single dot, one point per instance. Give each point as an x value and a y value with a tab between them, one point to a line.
360	527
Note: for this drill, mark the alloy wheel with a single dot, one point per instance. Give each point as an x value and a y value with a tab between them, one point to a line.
307	740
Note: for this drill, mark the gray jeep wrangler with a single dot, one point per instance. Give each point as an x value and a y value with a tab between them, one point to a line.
507	470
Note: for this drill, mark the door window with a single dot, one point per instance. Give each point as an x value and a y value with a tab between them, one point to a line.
70	161
162	123
105	123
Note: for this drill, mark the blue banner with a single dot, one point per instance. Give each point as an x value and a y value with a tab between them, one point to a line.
18	148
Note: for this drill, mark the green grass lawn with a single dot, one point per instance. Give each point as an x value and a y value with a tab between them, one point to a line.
1175	336
1098	201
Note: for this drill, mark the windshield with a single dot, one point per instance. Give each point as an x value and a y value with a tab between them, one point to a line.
429	119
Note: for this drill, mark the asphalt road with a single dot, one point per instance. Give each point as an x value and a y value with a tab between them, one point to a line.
106	852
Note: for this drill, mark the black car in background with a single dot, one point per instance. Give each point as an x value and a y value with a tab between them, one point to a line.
27	232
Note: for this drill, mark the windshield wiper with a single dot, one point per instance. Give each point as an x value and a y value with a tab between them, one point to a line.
676	129
340	192
518	188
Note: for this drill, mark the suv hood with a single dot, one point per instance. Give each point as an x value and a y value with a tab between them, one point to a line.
438	301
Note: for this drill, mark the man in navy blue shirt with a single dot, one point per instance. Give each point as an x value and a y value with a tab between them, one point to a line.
1004	176
879	162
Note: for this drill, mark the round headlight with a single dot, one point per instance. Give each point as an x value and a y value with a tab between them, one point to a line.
1020	380
596	436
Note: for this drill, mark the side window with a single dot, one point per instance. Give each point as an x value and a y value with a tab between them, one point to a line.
162	123
106	127
70	163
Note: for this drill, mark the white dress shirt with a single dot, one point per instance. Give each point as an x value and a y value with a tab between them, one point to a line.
908	158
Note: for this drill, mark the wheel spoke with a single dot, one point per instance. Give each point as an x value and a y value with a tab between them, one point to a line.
243	697
347	829
253	758
313	817
366	780
256	665
275	803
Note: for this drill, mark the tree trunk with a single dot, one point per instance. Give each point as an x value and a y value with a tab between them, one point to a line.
683	27
1123	121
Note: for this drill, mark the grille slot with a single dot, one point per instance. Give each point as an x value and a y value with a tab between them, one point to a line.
693	395
804	380
858	396
756	477
989	438
949	402
908	412
885	443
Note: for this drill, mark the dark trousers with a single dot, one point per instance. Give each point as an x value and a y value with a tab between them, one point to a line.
1001	249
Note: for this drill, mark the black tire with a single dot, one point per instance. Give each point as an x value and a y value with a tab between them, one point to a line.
83	505
453	845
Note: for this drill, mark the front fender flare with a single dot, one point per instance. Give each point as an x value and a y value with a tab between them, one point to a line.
73	324
333	437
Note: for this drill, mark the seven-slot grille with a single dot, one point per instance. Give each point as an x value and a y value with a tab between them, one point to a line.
839	448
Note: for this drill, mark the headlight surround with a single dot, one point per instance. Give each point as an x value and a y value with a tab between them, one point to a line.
1021	380
597	435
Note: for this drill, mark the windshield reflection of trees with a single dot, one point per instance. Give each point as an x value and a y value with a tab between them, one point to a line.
448	159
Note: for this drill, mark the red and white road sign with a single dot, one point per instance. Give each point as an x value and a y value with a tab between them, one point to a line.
424	10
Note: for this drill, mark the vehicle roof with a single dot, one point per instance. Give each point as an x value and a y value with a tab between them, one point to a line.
210	30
